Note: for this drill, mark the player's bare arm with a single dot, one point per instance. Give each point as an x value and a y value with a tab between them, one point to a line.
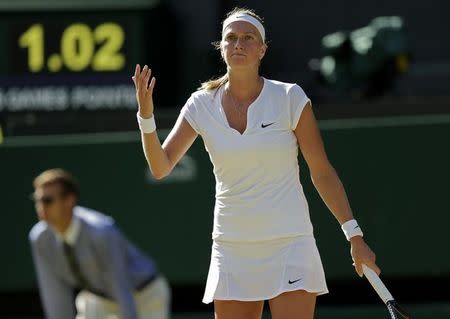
329	186
160	158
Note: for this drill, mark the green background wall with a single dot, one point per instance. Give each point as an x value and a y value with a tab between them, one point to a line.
395	171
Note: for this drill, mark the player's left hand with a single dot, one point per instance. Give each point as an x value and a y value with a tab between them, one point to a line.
362	254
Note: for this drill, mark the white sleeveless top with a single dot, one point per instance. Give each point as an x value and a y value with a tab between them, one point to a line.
258	190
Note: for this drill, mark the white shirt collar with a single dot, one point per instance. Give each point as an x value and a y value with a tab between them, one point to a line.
71	234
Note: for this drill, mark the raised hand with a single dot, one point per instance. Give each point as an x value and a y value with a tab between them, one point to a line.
144	85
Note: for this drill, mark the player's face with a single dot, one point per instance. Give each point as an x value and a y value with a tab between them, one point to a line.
242	45
51	204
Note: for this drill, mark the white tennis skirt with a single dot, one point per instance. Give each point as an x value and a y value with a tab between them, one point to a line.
250	271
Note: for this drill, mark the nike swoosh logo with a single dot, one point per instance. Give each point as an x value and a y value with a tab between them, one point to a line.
290	282
356	227
266	125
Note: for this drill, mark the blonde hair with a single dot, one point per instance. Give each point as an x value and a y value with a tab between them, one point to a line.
216	83
57	176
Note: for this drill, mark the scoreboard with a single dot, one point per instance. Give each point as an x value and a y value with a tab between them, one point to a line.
59	65
79	47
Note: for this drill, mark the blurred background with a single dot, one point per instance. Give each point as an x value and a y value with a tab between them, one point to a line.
378	74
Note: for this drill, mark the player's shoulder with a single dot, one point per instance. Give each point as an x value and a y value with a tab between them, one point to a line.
203	96
276	86
199	103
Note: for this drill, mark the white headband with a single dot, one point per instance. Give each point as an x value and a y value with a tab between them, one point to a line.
247	18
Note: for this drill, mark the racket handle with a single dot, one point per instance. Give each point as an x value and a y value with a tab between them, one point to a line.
377	284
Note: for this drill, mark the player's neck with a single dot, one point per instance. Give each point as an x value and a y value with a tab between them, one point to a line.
244	86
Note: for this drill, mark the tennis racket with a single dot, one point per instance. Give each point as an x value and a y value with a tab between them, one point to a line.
394	310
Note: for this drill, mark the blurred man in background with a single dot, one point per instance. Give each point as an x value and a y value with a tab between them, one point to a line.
85	266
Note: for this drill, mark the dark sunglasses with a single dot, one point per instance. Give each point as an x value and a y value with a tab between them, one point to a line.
45	200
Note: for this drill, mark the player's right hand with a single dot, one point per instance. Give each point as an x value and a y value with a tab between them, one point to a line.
144	85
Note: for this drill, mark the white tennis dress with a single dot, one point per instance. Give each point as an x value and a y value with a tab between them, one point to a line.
263	240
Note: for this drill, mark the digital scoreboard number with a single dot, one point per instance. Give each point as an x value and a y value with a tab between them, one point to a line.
80	47
76	63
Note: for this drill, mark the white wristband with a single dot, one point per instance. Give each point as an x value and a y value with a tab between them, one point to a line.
351	229
146	125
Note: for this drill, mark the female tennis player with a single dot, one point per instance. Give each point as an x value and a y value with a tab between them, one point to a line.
252	127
